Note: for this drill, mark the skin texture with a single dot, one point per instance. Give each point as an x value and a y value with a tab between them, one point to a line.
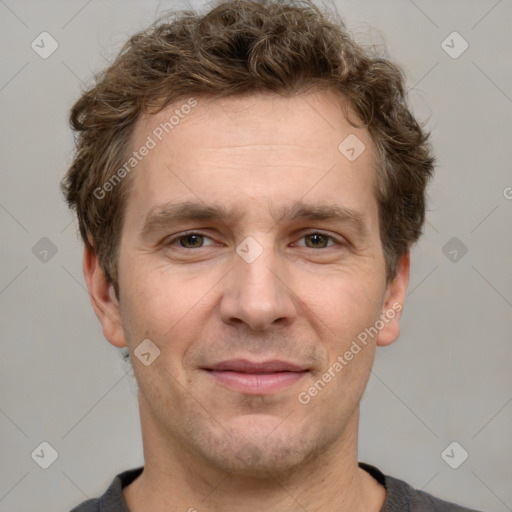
206	445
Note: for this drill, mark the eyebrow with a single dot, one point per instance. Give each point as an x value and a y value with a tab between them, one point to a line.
162	216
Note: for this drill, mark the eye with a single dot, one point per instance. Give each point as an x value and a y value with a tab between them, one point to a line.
190	240
196	240
317	240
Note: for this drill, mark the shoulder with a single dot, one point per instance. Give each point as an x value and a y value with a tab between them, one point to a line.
401	497
87	506
112	500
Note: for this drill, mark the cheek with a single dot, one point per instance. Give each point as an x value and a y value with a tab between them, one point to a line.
348	312
348	308
169	308
162	293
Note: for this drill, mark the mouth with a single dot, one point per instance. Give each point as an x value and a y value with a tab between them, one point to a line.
256	378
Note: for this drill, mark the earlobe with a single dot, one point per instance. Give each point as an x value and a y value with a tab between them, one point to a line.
394	303
103	298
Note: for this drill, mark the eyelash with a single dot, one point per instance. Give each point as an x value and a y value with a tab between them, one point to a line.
176	238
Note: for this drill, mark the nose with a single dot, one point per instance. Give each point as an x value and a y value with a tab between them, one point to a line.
257	293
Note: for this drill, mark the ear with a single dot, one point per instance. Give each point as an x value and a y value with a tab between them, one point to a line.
103	299
393	303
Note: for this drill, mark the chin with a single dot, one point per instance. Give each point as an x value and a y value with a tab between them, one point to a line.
261	449
260	462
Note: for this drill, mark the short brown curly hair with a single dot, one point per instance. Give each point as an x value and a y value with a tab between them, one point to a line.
244	47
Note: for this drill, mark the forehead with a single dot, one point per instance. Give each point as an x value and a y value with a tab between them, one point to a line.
321	117
242	149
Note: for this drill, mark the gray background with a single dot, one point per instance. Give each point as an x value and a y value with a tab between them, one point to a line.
447	379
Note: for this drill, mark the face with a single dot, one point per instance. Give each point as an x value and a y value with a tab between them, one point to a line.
250	256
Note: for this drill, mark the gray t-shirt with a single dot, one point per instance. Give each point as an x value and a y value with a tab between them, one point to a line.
401	497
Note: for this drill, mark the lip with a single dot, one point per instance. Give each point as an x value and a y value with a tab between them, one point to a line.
256	378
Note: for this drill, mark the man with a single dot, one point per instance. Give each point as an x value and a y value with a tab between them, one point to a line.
248	184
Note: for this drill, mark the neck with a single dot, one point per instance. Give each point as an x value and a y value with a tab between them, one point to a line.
175	479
